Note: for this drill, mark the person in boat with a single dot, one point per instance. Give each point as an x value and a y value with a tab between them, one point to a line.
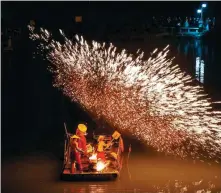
75	154
101	147
82	141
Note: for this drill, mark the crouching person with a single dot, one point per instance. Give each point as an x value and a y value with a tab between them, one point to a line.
101	147
75	155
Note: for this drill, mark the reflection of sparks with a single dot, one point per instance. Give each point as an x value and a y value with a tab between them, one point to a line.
151	99
100	166
200	69
179	186
93	157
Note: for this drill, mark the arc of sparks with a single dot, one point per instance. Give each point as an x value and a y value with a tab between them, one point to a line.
152	99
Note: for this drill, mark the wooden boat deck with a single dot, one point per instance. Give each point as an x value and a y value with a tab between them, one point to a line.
110	172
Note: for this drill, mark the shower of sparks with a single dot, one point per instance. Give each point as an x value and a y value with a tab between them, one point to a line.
151	99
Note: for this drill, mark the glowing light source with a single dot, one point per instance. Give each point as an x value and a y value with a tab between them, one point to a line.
100	166
204	5
78	19
93	157
199	10
151	99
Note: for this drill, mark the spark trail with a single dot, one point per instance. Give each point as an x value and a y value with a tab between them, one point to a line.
152	99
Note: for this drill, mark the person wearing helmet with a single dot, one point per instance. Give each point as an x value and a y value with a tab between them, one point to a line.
75	154
81	132
100	148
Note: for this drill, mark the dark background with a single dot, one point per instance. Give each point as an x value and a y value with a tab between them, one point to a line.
33	112
54	14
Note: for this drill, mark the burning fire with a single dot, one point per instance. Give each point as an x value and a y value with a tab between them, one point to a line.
93	157
100	166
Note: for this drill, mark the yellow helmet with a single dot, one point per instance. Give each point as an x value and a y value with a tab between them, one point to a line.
74	137
82	128
101	137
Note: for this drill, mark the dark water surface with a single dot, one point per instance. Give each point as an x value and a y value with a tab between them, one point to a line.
40	173
38	128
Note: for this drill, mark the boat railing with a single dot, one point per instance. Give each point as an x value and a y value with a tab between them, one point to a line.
191	30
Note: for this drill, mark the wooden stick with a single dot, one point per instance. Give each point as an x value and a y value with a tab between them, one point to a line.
65	128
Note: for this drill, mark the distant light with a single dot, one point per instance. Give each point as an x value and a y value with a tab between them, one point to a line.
78	19
199	11
204	5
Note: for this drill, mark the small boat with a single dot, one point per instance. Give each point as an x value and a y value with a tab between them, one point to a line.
93	168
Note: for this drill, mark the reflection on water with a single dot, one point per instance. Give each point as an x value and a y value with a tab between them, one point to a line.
40	174
176	186
201	186
197	53
93	188
200	69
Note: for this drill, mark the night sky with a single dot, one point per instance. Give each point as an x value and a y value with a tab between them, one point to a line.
63	12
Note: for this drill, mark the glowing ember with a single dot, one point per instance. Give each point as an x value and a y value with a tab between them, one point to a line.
93	157
100	166
153	100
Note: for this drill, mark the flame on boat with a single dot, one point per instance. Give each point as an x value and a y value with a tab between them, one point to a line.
100	166
93	157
